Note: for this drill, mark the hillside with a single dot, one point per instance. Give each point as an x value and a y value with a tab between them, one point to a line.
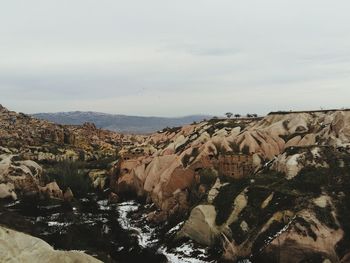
274	189
271	189
119	123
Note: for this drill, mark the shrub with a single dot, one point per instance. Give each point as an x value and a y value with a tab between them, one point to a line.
207	176
70	174
235	147
245	150
186	160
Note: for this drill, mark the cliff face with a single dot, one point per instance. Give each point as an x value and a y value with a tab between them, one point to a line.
293	196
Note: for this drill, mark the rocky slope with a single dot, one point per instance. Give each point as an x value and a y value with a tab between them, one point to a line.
31	149
293	204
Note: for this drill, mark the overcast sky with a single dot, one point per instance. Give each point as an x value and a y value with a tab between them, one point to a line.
174	58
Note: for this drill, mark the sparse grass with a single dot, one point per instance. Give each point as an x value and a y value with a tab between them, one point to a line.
70	174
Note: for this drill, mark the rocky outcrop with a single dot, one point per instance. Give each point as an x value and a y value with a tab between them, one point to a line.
51	190
294	246
24	178
30	148
293	195
194	147
276	217
19	247
293	160
20	176
7	190
201	225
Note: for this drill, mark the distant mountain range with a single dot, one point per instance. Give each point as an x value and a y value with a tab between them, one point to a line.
119	123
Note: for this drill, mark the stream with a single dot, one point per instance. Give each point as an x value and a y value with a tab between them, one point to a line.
111	232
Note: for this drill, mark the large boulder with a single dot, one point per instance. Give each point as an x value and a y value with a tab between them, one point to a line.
7	190
51	190
201	225
19	247
24	175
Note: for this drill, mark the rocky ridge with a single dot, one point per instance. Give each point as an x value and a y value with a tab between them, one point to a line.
29	148
295	197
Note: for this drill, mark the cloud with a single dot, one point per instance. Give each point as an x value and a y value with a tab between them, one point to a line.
174	58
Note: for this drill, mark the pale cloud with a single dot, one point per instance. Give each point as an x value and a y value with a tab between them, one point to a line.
174	58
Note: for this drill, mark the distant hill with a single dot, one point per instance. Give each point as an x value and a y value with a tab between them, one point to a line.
120	123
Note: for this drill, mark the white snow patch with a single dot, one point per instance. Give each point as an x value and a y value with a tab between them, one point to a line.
58	224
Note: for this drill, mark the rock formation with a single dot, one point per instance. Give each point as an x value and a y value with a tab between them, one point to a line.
19	247
275	198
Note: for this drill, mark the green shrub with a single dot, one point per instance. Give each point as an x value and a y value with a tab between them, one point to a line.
207	176
70	174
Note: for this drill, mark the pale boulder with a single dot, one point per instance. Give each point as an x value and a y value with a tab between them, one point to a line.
19	247
7	191
201	225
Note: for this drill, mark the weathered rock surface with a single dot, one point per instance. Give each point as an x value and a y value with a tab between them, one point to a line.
19	176
19	247
201	225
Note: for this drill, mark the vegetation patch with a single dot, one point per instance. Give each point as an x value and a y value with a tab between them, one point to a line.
102	163
307	226
311	180
224	200
265	237
187	157
325	216
237	233
187	143
70	174
207	176
256	216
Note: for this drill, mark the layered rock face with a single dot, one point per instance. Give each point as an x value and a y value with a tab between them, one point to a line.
287	193
19	247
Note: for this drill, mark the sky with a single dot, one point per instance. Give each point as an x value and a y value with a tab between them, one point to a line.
174	58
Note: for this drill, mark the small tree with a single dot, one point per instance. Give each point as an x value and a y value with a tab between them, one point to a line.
249	115
255	115
237	116
229	115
